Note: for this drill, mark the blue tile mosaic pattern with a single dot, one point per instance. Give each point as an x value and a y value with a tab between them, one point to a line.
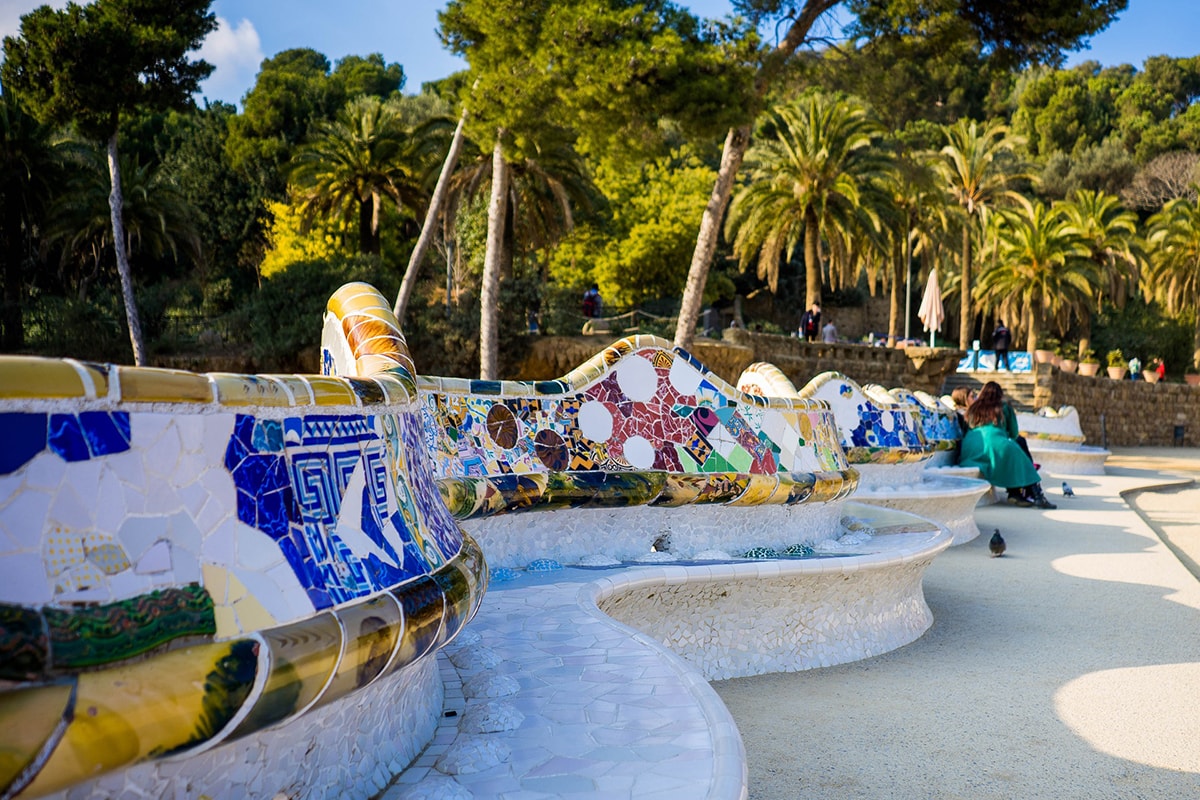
73	437
320	486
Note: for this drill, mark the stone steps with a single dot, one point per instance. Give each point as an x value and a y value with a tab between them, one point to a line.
1018	387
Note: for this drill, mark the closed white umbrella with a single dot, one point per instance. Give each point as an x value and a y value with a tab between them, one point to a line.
931	313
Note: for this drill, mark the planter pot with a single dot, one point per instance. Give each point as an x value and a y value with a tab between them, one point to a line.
1192	380
1150	375
1089	369
1068	365
1118	373
1056	360
1043	356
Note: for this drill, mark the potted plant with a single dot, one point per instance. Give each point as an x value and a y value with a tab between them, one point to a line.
1150	373
1191	375
1117	365
1089	365
1044	354
1066	358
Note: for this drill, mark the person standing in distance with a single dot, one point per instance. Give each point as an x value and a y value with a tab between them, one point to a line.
810	324
1001	339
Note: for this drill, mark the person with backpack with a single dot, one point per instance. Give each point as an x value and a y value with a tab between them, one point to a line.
810	324
1001	339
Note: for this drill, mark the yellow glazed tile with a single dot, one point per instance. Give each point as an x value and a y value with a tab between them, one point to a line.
301	392
252	616
24	376
216	582
331	391
114	726
249	390
227	623
150	385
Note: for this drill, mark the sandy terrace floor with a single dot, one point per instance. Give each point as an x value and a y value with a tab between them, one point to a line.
1069	668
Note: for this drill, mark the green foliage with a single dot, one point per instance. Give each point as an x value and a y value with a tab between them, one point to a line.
613	70
368	76
448	344
642	251
1143	328
282	321
89	329
86	64
1116	358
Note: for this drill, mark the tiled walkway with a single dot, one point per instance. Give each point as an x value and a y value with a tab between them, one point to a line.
601	709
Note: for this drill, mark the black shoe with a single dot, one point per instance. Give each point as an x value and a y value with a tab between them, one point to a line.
1020	502
1042	502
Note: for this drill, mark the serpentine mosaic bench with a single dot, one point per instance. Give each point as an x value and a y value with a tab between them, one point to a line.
222	585
641	460
884	439
1056	441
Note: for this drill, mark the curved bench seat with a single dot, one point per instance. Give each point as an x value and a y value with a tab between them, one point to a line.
197	560
1056	441
884	439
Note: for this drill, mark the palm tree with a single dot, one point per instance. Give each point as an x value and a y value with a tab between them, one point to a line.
972	175
157	219
30	166
1042	271
1173	275
1111	235
365	155
817	171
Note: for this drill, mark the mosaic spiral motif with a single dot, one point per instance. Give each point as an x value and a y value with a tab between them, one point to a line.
874	427
190	559
638	424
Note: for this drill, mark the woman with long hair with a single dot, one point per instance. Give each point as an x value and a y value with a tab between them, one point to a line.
991	445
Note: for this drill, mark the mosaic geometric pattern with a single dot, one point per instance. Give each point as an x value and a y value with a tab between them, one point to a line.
191	558
939	423
874	427
620	430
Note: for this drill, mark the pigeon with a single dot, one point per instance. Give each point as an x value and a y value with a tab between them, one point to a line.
1067	490
996	545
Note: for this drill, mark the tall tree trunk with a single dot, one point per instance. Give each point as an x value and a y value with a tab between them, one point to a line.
427	230
489	291
115	204
964	291
812	258
894	304
736	143
734	151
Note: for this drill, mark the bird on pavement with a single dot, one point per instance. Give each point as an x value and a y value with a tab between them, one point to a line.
1067	490
996	545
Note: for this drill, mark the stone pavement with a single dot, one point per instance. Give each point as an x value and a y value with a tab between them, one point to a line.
1066	669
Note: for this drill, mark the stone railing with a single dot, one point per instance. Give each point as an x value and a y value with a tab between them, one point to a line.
1123	413
205	566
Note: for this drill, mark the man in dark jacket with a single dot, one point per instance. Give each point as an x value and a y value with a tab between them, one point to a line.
1001	339
810	324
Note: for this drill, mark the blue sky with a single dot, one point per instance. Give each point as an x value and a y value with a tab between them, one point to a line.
405	31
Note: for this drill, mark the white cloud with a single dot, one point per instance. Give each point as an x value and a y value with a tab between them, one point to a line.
236	53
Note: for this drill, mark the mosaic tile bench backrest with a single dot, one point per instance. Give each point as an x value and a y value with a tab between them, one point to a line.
874	427
939	422
189	558
639	424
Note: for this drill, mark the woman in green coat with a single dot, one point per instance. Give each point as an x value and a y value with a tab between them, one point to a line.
991	445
